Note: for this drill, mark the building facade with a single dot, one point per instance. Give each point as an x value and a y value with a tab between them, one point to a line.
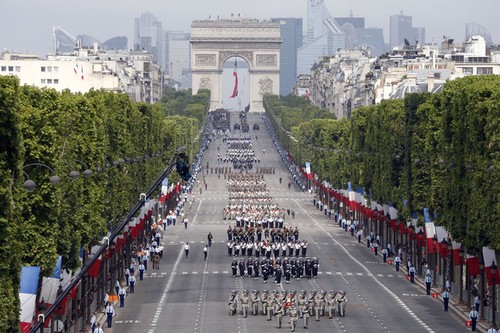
133	73
291	36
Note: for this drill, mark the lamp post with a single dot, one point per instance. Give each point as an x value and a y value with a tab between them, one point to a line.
481	307
420	239
451	265
29	185
444	245
493	271
434	261
461	276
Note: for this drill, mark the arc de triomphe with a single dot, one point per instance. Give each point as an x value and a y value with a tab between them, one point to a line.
215	41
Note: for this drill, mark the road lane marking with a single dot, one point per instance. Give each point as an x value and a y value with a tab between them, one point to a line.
392	294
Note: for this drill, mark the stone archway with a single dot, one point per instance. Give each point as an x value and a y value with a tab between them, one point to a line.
215	41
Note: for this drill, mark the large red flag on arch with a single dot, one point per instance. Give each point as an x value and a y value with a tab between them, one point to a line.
235	74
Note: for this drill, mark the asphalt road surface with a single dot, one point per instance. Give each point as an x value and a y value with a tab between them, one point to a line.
191	295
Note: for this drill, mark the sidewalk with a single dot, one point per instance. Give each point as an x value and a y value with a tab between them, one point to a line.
461	310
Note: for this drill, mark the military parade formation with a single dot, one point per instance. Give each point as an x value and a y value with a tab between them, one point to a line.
277	304
263	245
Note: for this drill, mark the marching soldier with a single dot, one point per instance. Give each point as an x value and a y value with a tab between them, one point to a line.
293	317
287	273
263	300
277	275
233	303
278	311
241	265
234	267
249	267
305	314
255	302
230	245
270	305
342	302
331	303
244	303
308	267
318	304
256	267
315	267
302	299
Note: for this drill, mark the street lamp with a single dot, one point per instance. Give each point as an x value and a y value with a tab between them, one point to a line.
434	262
444	245
29	185
493	271
461	291
87	173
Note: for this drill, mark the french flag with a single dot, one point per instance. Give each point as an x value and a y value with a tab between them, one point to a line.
50	286
490	257
27	296
235	74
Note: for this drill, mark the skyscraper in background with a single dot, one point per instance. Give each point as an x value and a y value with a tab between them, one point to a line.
401	28
291	35
358	36
324	36
148	36
178	50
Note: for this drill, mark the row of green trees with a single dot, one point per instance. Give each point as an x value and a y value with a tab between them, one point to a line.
126	145
436	151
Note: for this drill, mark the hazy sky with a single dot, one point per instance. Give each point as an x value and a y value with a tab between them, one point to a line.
26	25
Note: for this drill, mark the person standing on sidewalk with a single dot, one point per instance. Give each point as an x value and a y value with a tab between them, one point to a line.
493	329
122	293
446	299
110	312
428	281
132	284
473	317
412	272
384	255
205	252
186	222
360	233
375	248
397	262
141	271
186	249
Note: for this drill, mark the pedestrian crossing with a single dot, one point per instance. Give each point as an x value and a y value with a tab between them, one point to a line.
347	274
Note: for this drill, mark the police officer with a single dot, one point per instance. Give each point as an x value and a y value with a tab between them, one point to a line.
141	271
428	281
122	293
446	299
473	314
412	272
110	312
384	255
244	303
132	283
127	275
397	262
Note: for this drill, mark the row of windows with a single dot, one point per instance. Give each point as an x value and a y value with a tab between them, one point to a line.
10	68
49	69
50	81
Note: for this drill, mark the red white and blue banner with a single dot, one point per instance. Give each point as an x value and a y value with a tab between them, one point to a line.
27	296
235	74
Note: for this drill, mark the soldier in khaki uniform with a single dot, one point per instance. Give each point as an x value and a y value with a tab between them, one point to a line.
255	302
279	311
293	317
244	299
331	303
233	303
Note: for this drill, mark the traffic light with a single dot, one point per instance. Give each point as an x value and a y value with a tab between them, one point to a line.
182	167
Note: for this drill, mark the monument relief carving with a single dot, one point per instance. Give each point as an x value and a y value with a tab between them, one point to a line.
205	83
266	60
205	59
266	86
